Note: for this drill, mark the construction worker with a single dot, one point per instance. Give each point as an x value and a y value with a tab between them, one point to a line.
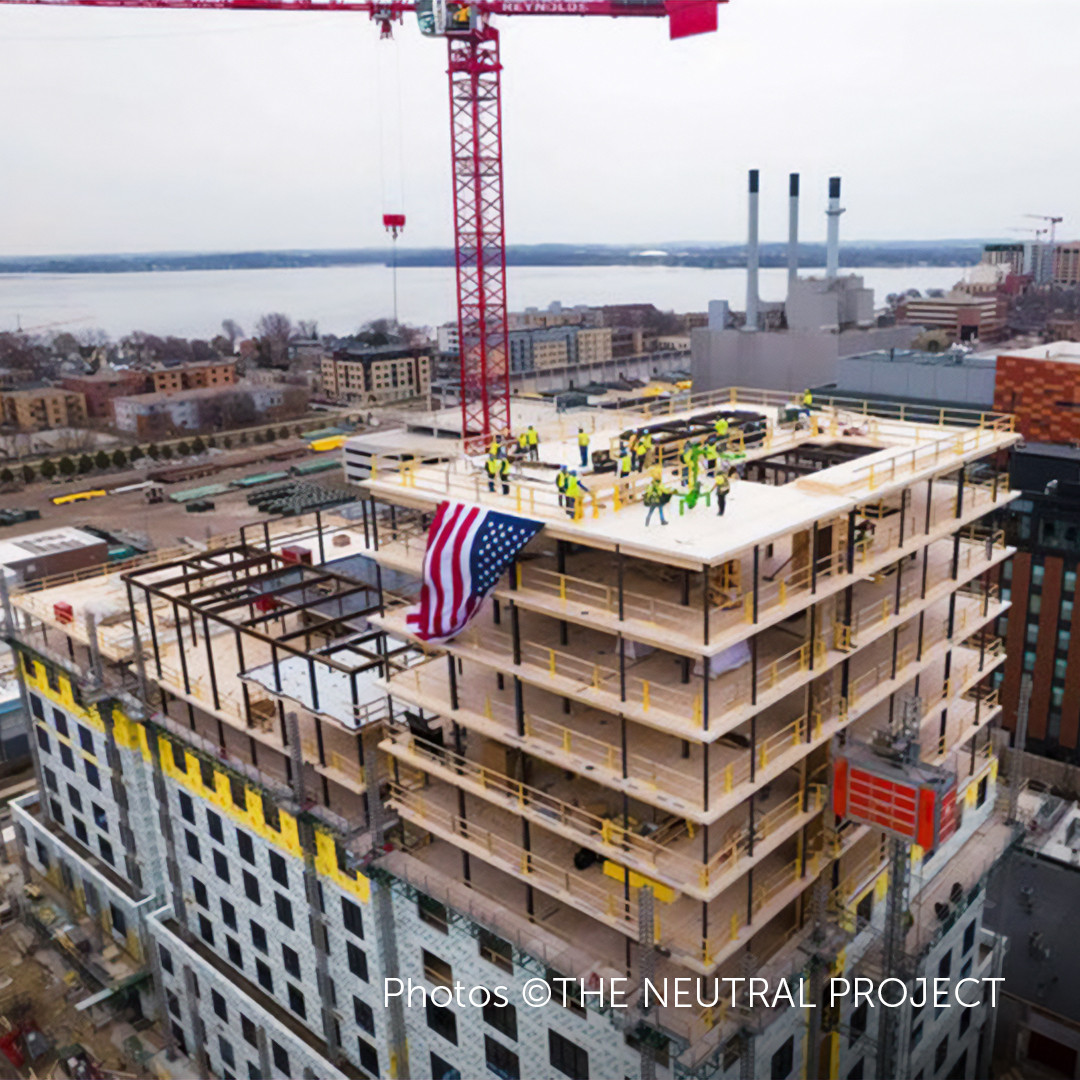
532	440
574	490
645	445
807	400
864	532
498	467
711	454
523	444
656	496
624	466
583	446
689	459
495	446
561	479
721	489
720	427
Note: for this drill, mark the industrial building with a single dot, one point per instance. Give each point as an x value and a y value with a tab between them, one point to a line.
260	794
796	344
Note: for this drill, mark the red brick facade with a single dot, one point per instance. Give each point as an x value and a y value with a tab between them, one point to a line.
1044	395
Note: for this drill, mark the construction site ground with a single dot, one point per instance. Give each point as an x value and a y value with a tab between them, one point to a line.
163	524
38	984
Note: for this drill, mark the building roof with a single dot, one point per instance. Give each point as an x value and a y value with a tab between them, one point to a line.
1029	896
108	375
1061	352
761	511
367	354
918	356
37	545
1061	451
200	393
38	391
951	299
187	365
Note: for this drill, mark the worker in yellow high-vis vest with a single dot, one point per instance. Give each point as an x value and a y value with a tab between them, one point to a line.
583	446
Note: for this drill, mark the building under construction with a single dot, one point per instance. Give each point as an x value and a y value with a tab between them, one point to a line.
273	796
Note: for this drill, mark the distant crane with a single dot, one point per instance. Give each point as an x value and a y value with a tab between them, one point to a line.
1054	223
476	152
20	329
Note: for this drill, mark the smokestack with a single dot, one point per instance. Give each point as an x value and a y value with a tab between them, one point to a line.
752	256
793	231
832	245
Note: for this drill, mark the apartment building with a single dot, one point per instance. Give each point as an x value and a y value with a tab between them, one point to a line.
594	346
271	796
41	408
1067	263
196	376
376	376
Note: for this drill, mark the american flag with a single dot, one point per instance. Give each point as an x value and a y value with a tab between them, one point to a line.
468	548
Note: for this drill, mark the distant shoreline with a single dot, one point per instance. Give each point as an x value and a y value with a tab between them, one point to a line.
700	256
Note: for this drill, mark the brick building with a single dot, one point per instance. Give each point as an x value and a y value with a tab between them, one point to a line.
1044	525
100	388
964	316
1041	385
192	376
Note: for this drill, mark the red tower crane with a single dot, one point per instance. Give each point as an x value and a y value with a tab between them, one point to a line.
476	153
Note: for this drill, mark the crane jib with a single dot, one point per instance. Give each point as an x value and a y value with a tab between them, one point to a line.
476	142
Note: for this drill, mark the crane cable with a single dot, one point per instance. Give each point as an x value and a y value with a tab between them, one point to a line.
391	146
389	161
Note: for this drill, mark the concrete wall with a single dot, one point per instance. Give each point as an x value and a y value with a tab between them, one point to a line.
787	360
878	375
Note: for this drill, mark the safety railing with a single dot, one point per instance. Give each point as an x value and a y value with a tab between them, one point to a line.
888	467
771	885
548	876
518	797
579	591
654	852
588	751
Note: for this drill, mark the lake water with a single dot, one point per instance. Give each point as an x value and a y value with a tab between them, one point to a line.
342	298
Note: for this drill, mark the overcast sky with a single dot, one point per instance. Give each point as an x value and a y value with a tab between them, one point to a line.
190	130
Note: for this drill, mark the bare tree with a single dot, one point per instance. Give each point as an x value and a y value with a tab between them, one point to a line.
307	328
92	337
274	332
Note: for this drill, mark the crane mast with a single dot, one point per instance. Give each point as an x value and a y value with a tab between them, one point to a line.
476	154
